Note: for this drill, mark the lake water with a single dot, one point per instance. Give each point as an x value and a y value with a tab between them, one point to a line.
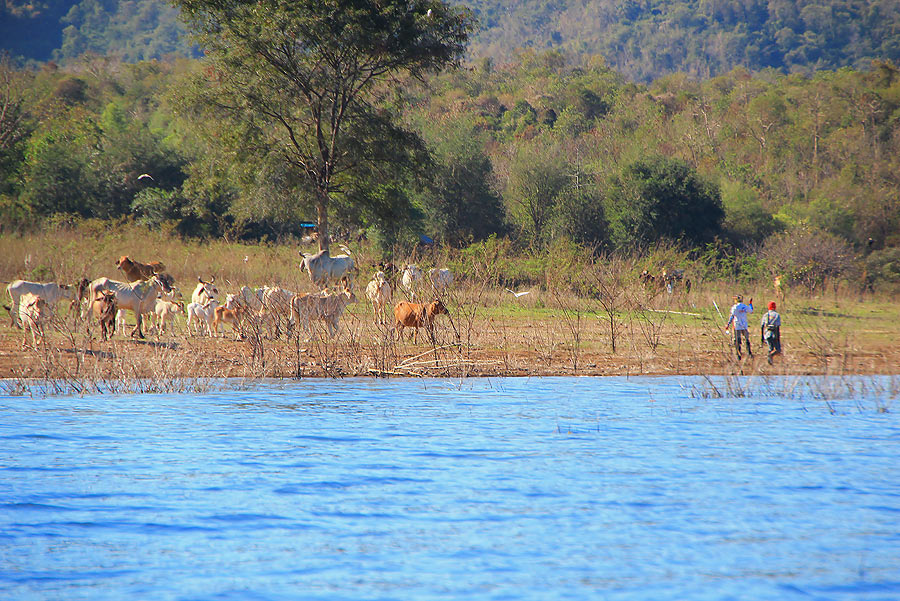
543	488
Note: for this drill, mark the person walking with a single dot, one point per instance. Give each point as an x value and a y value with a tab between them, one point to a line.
738	318
770	331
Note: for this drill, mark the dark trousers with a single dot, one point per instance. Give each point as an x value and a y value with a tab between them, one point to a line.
745	334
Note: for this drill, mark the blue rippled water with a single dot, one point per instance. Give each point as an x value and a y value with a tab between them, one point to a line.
548	488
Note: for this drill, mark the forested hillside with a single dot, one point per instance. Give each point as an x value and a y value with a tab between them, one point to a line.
645	39
642	39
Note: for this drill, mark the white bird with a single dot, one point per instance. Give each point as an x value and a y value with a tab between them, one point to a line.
147	175
246	258
428	14
518	294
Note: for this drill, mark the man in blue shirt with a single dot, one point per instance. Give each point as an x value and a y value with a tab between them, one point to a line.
739	313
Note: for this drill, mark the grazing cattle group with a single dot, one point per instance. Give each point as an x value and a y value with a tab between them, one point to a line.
667	280
150	295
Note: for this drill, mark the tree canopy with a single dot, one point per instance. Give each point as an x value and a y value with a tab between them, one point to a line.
305	79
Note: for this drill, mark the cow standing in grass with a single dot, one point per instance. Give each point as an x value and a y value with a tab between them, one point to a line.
379	293
417	315
324	268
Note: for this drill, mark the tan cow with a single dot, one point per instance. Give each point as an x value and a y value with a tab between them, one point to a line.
136	271
417	315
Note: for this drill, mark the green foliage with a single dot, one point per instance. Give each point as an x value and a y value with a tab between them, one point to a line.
458	202
59	174
154	207
536	178
884	265
658	197
559	141
746	221
579	216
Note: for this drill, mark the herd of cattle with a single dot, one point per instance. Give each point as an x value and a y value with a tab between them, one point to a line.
149	293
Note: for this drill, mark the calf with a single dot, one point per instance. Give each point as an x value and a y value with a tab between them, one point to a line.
164	313
34	312
226	314
136	271
104	308
203	315
417	315
379	293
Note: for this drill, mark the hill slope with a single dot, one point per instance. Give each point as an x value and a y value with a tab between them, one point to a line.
642	39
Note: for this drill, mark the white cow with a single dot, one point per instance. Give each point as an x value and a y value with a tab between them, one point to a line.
410	279
251	298
205	291
277	308
323	268
440	279
51	293
203	314
138	297
379	293
33	312
323	307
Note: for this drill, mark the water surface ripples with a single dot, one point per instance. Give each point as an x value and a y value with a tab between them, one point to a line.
542	488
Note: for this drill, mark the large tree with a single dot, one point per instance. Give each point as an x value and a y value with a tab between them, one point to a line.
658	197
303	78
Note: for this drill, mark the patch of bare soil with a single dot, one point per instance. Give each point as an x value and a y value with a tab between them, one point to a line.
483	348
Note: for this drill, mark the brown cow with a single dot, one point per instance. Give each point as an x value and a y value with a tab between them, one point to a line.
104	308
135	271
416	315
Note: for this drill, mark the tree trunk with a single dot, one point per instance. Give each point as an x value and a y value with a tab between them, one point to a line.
322	220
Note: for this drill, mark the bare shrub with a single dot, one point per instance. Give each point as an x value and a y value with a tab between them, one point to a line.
809	257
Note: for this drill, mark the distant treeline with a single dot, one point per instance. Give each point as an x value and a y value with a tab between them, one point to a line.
641	39
788	173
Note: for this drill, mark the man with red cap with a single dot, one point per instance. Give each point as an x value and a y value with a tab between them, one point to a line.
770	331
